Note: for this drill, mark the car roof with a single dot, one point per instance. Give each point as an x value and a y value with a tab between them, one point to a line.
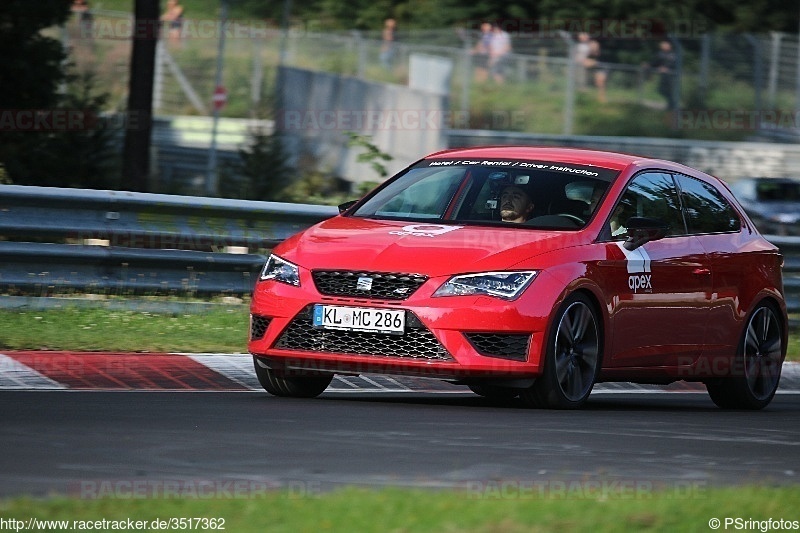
578	156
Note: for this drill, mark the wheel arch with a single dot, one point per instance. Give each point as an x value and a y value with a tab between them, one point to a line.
547	390
592	294
779	307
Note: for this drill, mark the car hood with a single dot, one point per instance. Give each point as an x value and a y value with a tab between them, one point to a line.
350	243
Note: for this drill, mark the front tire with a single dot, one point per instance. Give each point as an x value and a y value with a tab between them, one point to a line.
572	358
494	392
277	383
757	367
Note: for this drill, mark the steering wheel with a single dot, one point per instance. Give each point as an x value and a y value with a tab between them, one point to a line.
578	220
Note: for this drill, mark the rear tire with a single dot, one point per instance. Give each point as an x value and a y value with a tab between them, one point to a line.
757	367
277	383
573	355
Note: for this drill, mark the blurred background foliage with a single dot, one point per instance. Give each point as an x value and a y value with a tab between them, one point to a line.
40	73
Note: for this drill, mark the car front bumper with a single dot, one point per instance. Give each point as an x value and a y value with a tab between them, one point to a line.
460	337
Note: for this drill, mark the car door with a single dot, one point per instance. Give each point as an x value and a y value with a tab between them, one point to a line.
717	225
659	293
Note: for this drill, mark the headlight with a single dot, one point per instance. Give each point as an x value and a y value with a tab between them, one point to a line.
280	270
505	285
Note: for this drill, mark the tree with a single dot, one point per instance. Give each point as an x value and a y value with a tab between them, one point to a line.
88	157
263	169
136	154
32	60
370	14
32	70
81	152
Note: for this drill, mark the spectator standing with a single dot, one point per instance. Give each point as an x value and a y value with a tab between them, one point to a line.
85	18
499	51
388	37
580	55
597	70
664	63
173	16
480	53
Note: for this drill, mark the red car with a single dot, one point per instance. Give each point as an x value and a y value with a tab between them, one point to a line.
529	272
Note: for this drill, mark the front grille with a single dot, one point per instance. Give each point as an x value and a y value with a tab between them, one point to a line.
504	345
383	285
416	343
258	326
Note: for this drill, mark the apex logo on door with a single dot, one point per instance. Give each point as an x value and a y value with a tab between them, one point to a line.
638	265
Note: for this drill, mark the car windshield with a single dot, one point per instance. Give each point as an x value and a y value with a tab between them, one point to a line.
538	193
771	191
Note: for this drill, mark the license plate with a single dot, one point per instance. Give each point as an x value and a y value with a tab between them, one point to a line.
360	319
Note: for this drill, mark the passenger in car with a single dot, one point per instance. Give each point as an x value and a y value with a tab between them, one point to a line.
619	217
516	204
597	193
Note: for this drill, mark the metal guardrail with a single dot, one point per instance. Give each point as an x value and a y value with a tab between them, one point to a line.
156	244
790	248
144	220
46	269
123	243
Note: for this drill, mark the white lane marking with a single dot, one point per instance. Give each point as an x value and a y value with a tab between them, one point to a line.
236	367
239	369
400	386
346	381
16	376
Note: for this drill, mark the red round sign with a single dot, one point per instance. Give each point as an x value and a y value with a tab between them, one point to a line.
220	97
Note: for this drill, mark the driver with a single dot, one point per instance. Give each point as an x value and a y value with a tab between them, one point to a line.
515	204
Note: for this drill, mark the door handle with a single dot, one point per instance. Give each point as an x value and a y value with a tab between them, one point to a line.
701	272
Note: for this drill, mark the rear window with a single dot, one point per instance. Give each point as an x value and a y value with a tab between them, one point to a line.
707	211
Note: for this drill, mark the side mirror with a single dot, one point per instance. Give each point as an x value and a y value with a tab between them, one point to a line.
347	205
642	230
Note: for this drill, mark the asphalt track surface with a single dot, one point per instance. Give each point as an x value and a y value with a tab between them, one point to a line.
221	440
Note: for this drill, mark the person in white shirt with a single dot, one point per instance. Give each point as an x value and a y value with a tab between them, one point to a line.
499	50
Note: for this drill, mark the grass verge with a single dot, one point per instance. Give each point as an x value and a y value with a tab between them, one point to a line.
94	329
88	329
410	510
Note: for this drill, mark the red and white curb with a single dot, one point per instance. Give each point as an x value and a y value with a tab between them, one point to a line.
51	370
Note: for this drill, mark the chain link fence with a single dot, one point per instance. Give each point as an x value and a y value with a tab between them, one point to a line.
539	89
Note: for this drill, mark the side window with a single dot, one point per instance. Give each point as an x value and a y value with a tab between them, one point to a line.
652	195
707	211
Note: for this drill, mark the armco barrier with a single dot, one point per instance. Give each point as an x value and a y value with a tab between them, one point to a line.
61	240
45	269
143	220
164	245
790	247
